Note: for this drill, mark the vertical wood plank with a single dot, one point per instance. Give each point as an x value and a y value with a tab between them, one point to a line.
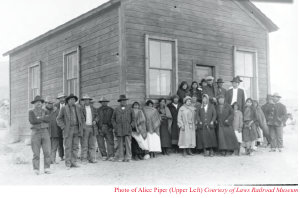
147	66
256	76
234	61
122	48
268	63
64	73
9	78
40	78
78	73
176	67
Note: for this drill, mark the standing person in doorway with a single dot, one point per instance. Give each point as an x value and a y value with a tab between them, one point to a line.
61	103
70	121
39	119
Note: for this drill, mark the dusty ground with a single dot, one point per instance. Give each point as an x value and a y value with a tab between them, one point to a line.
262	168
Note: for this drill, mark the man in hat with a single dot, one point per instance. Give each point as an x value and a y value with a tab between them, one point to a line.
123	120
210	90
89	118
264	107
220	89
70	121
105	128
39	119
61	103
53	128
276	118
240	80
235	94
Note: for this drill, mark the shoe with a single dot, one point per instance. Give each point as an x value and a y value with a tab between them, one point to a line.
111	159
120	160
136	158
62	159
151	155
167	152
211	154
84	162
93	161
251	153
279	150
129	160
147	156
104	158
140	157
163	151
37	172
154	155
47	171
75	165
68	167
272	150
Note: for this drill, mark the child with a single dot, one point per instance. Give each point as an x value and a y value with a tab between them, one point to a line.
238	126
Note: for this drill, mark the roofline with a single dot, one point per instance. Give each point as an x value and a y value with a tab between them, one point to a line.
270	25
102	8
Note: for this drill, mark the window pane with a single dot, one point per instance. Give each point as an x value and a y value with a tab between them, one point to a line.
154	82
248	64
202	72
154	55
165	79
71	61
74	62
240	64
166	55
72	86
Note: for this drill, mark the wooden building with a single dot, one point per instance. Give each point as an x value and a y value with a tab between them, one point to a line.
144	49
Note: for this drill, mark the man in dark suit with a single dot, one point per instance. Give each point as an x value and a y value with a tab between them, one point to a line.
61	97
235	94
89	119
70	121
210	90
220	89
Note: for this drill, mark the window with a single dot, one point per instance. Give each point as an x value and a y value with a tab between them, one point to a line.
34	82
246	68
72	72
161	66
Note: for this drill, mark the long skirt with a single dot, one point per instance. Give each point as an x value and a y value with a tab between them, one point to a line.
142	143
153	142
206	138
135	148
175	132
250	135
165	135
226	138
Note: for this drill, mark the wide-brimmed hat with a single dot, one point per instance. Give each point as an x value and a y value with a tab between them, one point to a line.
122	97
220	80
187	98
239	79
60	95
276	95
220	96
50	100
103	99
71	96
86	97
209	78
235	79
37	98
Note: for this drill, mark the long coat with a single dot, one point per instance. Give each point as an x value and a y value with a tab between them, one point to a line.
123	121
174	127
109	113
63	120
240	97
206	135
226	136
53	127
186	118
221	91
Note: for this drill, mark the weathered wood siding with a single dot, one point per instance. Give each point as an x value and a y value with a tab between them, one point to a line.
99	42
206	31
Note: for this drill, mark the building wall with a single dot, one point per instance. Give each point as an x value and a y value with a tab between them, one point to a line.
99	42
206	31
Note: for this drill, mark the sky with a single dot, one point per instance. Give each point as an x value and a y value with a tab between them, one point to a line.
25	20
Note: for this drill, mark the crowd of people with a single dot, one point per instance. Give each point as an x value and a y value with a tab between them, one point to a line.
205	118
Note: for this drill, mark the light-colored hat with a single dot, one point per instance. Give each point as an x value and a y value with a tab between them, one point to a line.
276	95
86	97
50	100
103	99
187	98
61	95
209	78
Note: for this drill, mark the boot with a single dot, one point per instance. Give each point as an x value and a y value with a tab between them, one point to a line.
154	154
140	157
167	152
190	152
163	151
211	154
151	154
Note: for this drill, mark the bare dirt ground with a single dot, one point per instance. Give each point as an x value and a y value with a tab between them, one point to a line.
262	168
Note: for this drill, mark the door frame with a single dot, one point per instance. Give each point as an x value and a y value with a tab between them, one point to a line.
214	66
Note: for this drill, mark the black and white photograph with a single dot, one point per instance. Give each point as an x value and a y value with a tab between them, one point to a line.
163	97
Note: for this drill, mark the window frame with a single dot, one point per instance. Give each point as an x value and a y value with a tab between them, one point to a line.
65	70
36	64
174	83
214	67
236	49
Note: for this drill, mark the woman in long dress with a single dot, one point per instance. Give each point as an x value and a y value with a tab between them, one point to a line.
186	123
205	135
139	141
165	126
227	141
152	128
250	133
238	126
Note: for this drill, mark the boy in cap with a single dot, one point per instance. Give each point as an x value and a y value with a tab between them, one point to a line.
123	120
105	128
39	119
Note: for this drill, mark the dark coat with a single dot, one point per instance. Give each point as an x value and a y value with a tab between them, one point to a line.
182	94
264	109
123	121
198	93
206	135
240	97
53	127
227	114
211	91
57	105
109	113
63	120
276	115
38	123
222	91
174	127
